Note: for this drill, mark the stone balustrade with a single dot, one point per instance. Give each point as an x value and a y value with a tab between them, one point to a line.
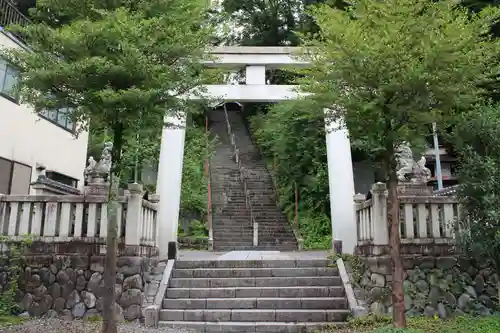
82	218
62	271
424	218
438	279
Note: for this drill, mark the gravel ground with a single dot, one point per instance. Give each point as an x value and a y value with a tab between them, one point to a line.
78	326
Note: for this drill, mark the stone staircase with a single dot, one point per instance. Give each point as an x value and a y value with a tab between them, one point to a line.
231	218
232	227
254	296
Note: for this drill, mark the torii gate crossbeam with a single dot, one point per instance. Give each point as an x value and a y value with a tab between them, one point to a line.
255	60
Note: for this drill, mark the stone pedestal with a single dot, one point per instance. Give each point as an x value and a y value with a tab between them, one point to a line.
97	184
412	189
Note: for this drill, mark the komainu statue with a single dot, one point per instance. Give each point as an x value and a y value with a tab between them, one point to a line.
101	168
409	171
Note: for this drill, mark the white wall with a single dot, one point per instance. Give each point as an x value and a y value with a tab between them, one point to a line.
29	139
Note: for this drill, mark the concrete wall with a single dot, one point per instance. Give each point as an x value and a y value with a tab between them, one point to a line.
29	139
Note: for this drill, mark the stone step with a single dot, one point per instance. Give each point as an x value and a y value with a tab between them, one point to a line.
273	247
249	243
255	315
313	303
265	214
228	226
266	225
277	243
243	241
241	224
231	292
235	221
262	217
227	232
228	238
227	248
243	238
255	282
281	244
253	272
264	235
267	206
300	263
250	327
230	216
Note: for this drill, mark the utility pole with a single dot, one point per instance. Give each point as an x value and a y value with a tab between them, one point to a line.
439	176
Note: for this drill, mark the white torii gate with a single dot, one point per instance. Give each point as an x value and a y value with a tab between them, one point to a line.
255	60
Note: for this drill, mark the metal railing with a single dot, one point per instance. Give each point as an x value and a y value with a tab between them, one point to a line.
9	14
243	178
209	198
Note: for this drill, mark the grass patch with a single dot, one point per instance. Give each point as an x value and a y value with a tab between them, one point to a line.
383	324
11	320
95	318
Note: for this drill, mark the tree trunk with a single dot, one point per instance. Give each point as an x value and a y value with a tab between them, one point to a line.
109	320
109	324
398	303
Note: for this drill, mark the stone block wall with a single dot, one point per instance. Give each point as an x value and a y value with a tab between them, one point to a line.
72	286
434	285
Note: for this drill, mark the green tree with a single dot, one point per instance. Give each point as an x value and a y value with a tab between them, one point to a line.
264	22
198	147
477	139
391	68
117	65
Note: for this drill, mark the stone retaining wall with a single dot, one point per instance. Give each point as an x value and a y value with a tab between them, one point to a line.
443	286
72	286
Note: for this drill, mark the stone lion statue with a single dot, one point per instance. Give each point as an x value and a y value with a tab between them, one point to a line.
408	170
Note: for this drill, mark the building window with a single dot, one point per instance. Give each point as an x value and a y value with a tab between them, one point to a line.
15	178
59	177
9	78
60	117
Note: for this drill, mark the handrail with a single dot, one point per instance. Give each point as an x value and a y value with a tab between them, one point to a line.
209	197
243	179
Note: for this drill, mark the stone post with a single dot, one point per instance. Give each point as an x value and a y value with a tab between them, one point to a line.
133	223
379	218
357	198
155	198
170	178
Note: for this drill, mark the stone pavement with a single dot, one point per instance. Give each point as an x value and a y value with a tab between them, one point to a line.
252	255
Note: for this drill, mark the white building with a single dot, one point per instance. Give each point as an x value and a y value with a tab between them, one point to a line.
29	141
